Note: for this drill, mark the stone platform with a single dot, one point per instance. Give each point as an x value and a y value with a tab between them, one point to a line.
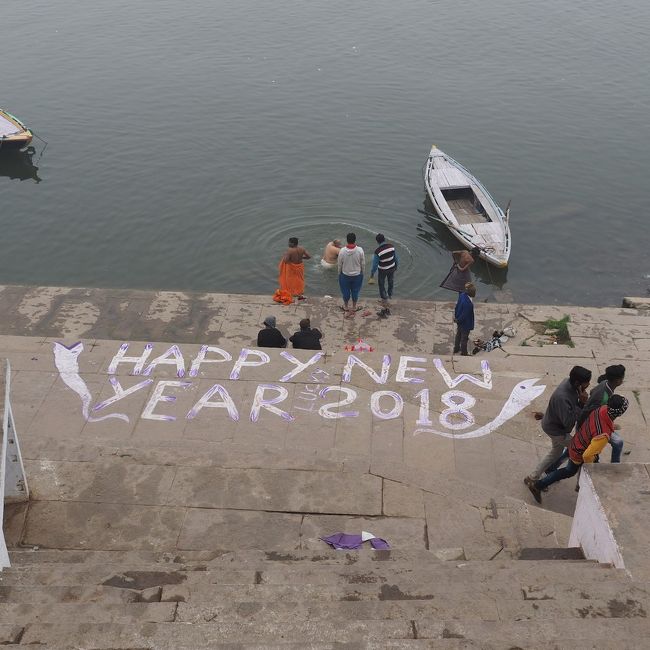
159	440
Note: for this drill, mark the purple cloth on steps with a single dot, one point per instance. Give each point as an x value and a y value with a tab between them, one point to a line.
379	544
344	541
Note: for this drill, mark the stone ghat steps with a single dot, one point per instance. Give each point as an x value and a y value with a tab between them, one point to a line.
259	559
127	575
15	633
388	591
452	607
100	600
171	636
348	571
387	644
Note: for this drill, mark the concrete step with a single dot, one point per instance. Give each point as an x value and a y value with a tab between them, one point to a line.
139	578
11	634
550	554
384	644
561	633
153	575
462	608
194	453
256	559
171	636
36	556
167	636
535	588
100	612
531	591
46	596
424	590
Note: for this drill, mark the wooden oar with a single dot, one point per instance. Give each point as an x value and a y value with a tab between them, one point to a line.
449	225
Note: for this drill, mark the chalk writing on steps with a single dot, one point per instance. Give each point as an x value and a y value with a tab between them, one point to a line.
317	392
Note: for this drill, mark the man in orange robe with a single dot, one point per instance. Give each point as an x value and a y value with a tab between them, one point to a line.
292	269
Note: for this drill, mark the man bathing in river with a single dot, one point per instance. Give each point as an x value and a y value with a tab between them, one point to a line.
292	269
331	254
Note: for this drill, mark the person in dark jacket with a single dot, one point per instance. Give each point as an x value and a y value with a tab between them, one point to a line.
589	440
306	338
563	410
270	336
384	263
464	318
599	396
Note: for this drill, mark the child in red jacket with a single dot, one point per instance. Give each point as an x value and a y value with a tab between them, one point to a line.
586	444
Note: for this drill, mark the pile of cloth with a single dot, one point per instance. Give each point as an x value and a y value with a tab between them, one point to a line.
499	337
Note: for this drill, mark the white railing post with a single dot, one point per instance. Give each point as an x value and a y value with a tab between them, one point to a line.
13	484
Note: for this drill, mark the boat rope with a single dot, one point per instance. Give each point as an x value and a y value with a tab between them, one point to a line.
43	149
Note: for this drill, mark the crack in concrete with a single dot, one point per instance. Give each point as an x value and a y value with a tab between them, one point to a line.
497	553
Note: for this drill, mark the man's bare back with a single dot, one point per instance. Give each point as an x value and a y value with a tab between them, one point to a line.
331	252
464	258
296	254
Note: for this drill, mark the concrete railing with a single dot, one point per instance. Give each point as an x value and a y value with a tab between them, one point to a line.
612	515
13	484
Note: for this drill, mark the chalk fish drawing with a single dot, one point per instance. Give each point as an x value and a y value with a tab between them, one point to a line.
65	359
520	397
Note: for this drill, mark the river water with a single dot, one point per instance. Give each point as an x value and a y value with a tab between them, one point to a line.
188	140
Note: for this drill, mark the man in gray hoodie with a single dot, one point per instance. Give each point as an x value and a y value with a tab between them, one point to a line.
563	410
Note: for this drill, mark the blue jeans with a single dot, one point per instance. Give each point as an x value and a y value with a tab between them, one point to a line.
382	277
569	470
616	442
350	286
560	461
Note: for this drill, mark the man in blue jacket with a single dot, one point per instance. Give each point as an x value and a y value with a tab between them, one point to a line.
464	318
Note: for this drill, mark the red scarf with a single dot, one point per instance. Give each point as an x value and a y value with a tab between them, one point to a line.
350	246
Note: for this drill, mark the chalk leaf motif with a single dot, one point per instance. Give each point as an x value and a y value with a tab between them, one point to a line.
66	362
521	396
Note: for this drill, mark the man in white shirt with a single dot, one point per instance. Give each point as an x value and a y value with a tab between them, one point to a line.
351	263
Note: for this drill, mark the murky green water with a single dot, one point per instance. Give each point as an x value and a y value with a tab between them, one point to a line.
189	140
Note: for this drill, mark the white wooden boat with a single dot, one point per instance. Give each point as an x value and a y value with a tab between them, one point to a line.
466	208
13	133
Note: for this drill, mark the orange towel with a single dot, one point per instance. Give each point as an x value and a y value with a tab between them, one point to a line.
292	277
282	297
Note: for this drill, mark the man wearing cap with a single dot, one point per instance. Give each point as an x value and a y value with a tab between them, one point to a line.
464	318
306	338
270	336
599	396
384	263
588	442
564	408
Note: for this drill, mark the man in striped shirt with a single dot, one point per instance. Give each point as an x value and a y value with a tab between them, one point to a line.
586	444
384	263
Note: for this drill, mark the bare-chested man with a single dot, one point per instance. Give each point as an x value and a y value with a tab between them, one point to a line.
295	254
459	274
331	253
292	269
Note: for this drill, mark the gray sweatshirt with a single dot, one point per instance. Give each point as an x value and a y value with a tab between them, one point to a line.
562	411
351	261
